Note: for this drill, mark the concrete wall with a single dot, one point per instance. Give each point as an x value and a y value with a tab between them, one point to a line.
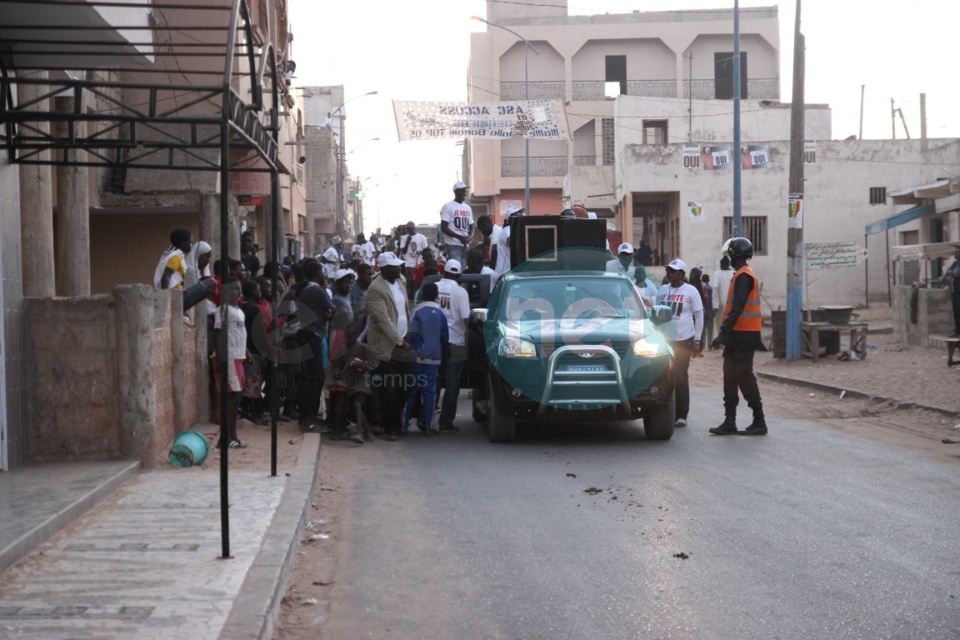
71	374
109	376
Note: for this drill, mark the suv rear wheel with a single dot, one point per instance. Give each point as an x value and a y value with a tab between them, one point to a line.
658	420
501	422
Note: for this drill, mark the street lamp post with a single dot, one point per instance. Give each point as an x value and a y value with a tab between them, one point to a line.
526	94
341	209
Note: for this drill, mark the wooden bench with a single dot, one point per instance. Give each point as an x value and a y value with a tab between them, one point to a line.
952	344
810	333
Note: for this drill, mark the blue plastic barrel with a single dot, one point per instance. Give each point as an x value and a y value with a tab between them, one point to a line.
189	448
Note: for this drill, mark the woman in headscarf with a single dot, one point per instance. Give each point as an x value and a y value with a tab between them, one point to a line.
197	262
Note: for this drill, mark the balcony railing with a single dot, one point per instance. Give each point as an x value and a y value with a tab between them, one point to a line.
594	89
585	161
538	90
540	167
757	88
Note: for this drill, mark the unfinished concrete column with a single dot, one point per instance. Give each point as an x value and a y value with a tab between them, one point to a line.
210	226
73	214
179	362
36	207
136	373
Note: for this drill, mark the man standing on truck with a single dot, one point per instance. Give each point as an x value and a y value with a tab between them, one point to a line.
740	337
503	242
685	330
456	223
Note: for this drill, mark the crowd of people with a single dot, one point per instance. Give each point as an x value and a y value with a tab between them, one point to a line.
358	343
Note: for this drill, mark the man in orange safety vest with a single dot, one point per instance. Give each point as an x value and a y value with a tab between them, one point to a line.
739	335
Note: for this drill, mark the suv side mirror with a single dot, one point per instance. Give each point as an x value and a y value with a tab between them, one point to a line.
661	314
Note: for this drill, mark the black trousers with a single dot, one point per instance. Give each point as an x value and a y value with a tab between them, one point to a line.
955	301
311	379
391	381
682	351
738	376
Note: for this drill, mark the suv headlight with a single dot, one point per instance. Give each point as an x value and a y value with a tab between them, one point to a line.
511	347
644	347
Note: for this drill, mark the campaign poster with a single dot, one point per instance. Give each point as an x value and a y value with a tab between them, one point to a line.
716	158
795	211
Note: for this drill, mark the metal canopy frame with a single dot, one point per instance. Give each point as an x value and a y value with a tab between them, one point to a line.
152	134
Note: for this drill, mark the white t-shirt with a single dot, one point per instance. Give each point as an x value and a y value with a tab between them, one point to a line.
236	333
487	271
721	284
400	300
455	304
687	311
366	252
459	215
503	252
410	249
173	259
495	234
332	255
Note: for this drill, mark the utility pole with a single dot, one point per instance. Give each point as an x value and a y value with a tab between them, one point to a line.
893	119
795	235
737	168
923	122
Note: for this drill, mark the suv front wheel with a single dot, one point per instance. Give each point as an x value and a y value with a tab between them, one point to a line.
501	421
658	420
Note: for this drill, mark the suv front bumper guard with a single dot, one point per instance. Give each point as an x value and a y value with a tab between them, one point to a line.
589	379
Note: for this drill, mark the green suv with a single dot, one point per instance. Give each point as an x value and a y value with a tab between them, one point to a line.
565	345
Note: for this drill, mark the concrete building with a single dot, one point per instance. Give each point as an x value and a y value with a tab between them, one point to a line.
585	61
321	129
93	363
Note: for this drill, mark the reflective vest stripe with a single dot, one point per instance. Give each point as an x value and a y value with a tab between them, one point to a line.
750	319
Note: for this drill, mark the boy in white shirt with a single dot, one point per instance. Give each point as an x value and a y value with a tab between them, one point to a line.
236	355
685	330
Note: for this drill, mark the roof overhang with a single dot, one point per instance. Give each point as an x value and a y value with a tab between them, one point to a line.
44	34
932	191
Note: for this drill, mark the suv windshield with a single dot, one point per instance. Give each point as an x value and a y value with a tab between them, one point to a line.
570	298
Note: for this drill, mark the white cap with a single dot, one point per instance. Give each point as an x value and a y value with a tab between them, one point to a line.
389	259
459	185
677	265
625	247
452	266
343	273
512	211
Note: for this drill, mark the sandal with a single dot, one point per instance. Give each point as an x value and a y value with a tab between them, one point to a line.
236	444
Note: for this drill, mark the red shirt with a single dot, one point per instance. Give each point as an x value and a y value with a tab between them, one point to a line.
418	270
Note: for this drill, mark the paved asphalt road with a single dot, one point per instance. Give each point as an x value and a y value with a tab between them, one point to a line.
806	533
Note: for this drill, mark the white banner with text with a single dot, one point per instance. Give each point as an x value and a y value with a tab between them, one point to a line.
544	119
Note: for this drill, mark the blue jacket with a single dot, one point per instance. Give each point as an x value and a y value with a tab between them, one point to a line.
429	333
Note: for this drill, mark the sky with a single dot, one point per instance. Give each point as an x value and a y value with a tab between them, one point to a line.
419	50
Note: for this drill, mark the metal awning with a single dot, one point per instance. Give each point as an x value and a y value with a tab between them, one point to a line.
899	218
175	79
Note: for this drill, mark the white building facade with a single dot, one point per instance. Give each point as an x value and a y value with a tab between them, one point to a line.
584	61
